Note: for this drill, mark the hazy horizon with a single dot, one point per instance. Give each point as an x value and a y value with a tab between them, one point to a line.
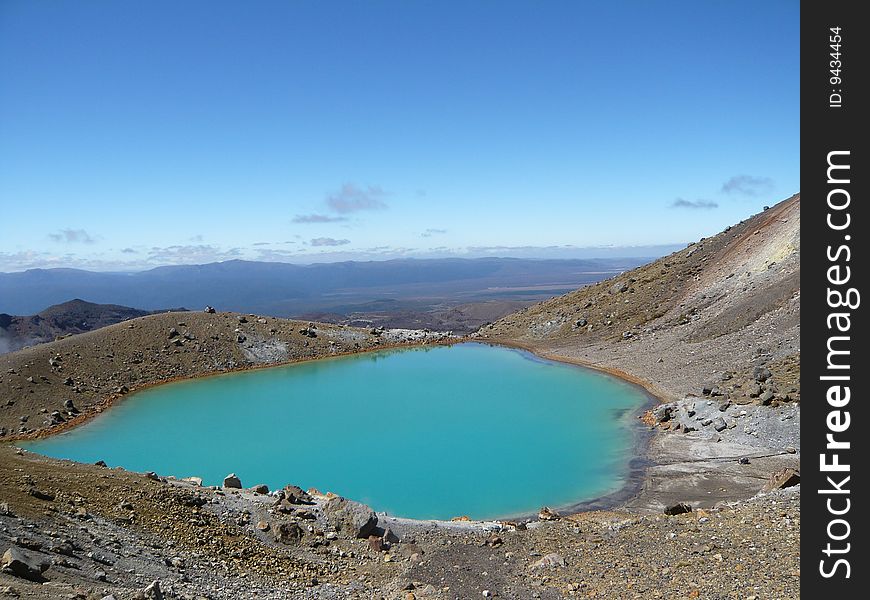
543	254
137	135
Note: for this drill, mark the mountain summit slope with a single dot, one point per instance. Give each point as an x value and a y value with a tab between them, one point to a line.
703	317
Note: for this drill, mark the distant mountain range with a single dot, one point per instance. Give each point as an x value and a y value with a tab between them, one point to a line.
75	316
282	289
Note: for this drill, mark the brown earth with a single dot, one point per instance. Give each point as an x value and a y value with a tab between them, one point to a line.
704	325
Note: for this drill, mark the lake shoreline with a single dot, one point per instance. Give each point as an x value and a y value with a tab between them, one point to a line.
652	447
632	468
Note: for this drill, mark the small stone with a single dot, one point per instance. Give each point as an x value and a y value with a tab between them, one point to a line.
42	494
260	488
262	526
390	536
761	374
152	476
548	514
663	412
678	509
172	332
100	576
550	561
719	424
153	591
619	287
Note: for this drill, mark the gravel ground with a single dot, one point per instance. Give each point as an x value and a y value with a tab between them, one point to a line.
106	531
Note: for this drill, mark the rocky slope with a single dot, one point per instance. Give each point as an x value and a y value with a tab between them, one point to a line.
713	330
720	307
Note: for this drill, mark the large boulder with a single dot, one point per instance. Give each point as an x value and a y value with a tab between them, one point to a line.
783	478
232	481
23	564
296	495
288	533
355	519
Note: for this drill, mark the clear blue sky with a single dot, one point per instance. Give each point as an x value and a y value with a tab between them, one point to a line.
141	133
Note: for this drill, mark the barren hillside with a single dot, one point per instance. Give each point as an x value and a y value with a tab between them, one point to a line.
703	317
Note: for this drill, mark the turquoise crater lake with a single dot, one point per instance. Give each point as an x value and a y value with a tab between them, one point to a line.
468	429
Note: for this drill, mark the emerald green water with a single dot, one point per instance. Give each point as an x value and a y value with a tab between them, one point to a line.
438	432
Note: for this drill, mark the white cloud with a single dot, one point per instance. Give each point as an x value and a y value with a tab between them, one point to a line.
352	198
72	236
